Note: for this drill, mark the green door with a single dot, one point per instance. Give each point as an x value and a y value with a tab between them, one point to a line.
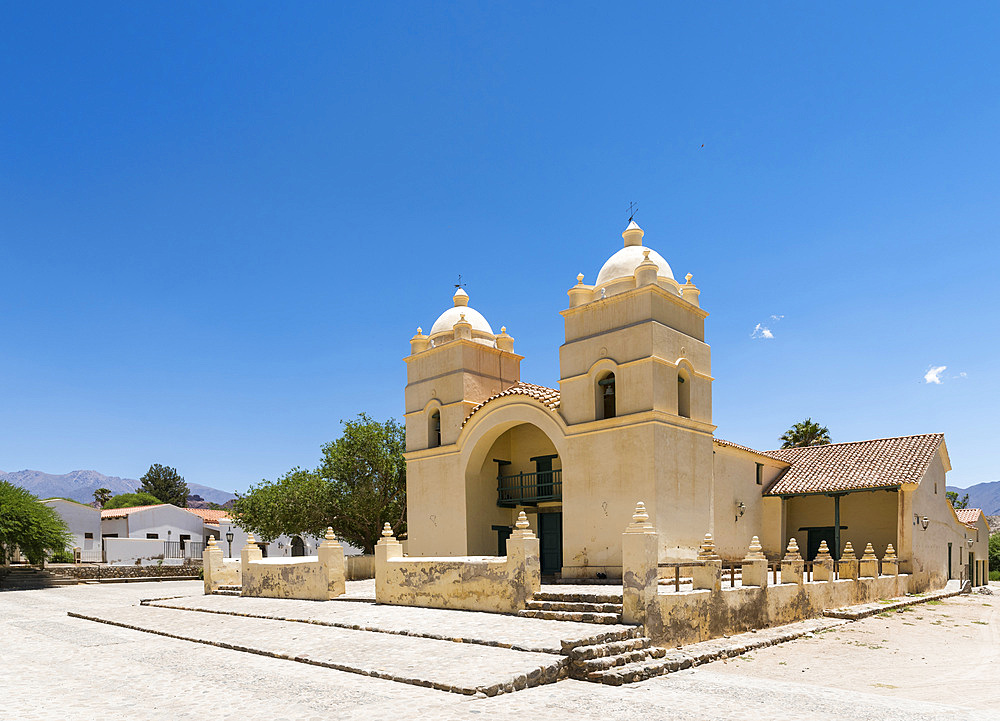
550	542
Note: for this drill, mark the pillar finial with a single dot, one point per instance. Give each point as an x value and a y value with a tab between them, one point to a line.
640	520
250	539
707	550
869	554
756	551
792	552
890	553
387	530
849	551
824	552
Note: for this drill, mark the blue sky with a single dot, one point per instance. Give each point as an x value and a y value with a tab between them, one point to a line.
221	223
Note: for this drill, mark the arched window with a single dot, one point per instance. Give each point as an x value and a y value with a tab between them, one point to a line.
434	435
683	393
606	406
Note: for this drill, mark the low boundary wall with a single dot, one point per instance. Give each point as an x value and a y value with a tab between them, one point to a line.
318	578
499	585
708	611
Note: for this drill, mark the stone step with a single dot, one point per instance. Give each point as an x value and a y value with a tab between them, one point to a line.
577	606
583	669
569	597
602	637
642	670
571	616
224	587
608	648
225	592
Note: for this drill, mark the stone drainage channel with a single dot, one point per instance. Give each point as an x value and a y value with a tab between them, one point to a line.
609	652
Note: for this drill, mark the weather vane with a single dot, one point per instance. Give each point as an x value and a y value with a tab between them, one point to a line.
459	284
633	207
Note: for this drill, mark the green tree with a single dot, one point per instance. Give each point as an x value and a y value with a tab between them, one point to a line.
995	552
805	433
166	484
127	500
102	496
30	525
359	485
957	502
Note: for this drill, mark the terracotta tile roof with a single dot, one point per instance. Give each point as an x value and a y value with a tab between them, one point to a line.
122	512
748	449
209	515
548	397
880	463
968	516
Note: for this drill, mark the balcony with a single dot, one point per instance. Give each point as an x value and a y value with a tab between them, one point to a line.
529	489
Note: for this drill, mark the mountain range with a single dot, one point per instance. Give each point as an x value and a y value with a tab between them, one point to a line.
982	495
80	485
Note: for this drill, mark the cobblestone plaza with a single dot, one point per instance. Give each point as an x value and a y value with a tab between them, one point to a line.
922	662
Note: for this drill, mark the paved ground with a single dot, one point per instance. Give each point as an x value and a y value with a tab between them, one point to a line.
944	665
528	634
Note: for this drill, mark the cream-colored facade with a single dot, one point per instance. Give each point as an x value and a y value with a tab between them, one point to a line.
631	420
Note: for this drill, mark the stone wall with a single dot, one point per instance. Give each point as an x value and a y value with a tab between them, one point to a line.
88	571
709	611
496	584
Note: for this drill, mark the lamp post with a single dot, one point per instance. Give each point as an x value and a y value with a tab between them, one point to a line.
229	540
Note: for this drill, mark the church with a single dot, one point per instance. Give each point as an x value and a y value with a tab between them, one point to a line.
630	421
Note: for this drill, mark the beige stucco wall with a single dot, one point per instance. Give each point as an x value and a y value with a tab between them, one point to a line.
735	480
869	517
498	584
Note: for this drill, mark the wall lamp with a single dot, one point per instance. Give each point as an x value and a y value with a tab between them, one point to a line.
924	522
970	542
741	508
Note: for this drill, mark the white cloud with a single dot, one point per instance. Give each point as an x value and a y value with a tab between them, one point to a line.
933	374
763	332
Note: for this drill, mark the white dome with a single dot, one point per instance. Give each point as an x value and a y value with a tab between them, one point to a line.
623	264
447	320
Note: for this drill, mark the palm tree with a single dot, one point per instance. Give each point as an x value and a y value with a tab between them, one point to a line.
805	433
102	496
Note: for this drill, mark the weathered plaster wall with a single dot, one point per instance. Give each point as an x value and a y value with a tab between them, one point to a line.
735	481
132	551
81	520
319	578
692	616
495	584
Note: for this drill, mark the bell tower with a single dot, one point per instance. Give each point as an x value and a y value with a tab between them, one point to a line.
459	365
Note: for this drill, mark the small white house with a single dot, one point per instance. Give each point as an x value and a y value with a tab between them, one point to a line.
168	532
84	523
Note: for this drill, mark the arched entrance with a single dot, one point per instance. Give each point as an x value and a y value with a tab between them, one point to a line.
298	546
515	468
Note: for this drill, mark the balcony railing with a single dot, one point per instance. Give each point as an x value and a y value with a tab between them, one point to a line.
528	489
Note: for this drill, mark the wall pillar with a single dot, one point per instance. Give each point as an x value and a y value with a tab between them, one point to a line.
868	567
640	575
249	553
823	564
707	576
331	560
792	565
212	560
755	565
387	548
847	566
890	564
523	564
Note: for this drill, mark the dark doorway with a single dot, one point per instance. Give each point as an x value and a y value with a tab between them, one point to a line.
298	546
550	542
503	533
816	537
263	549
949	563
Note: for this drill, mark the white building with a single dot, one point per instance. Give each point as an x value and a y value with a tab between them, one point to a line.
153	533
282	546
84	523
